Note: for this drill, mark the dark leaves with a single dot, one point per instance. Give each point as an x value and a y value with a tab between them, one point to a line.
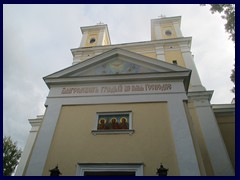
11	155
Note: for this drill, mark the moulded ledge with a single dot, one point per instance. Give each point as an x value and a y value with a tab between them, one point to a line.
117	131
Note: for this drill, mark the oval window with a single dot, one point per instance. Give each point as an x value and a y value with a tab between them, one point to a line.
92	40
168	33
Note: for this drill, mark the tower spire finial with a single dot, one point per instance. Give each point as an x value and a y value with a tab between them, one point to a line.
162	16
100	23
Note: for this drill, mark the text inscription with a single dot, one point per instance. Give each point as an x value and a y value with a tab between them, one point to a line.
117	89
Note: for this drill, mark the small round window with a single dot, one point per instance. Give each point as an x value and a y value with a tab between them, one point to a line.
168	33
92	40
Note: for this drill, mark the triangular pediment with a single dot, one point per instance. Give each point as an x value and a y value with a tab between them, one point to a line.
114	66
116	62
118	65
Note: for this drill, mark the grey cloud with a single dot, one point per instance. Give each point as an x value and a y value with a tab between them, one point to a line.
38	39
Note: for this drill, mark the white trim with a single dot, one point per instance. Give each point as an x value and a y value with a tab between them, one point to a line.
76	51
128	78
35	123
177	28
185	151
116	99
195	81
215	145
129	113
43	142
42	145
160	53
223	108
100	167
118	131
116	53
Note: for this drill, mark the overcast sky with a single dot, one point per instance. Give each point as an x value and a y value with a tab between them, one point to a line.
37	40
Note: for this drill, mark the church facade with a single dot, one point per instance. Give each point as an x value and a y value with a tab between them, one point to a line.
124	109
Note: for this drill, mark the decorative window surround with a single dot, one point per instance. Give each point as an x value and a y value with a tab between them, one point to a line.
113	123
101	167
120	131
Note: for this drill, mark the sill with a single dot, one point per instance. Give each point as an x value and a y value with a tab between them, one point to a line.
117	131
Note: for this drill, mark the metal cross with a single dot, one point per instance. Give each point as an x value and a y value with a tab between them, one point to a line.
100	23
161	16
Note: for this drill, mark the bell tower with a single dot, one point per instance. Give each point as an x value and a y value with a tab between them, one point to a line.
166	28
97	35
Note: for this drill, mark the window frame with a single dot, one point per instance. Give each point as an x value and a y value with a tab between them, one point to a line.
175	62
101	167
130	130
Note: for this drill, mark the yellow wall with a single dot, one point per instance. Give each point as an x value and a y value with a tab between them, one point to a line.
90	36
227	128
145	51
151	143
151	55
174	55
169	54
166	27
106	40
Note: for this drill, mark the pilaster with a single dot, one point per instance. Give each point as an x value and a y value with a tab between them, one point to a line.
43	142
195	81
35	123
160	53
212	136
186	155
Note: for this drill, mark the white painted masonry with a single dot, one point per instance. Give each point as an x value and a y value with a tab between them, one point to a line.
176	25
100	167
215	145
36	123
43	142
196	84
160	53
153	80
186	155
177	113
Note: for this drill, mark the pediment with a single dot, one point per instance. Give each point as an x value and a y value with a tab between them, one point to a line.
114	66
116	62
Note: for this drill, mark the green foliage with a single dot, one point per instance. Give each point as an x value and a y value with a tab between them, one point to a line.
233	78
11	155
228	13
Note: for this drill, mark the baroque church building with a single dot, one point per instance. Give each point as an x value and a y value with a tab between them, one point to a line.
125	109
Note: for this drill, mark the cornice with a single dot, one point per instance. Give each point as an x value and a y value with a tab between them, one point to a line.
173	76
154	43
223	108
199	95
